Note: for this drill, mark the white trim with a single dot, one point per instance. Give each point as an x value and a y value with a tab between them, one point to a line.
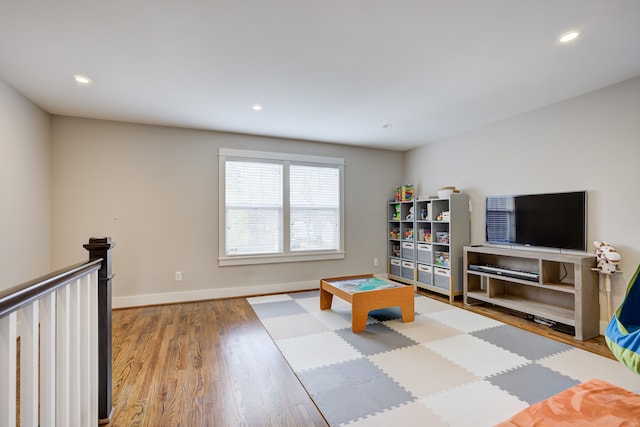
287	255
207	294
268	155
274	259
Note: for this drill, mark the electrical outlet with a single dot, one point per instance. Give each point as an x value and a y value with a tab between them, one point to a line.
376	262
178	276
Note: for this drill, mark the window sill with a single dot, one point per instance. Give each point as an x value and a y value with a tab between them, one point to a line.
277	259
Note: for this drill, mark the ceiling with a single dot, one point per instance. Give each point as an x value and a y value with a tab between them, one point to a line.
391	74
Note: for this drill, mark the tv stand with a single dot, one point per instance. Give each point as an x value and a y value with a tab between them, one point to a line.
565	289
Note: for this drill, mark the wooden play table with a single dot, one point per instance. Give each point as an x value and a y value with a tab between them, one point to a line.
365	293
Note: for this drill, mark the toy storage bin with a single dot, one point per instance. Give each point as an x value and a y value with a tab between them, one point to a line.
424	274
441	278
424	253
407	251
407	270
396	267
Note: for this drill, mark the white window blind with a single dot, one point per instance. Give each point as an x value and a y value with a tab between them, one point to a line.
315	207
500	219
253	208
279	207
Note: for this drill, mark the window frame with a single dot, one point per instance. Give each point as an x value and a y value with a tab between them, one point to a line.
287	255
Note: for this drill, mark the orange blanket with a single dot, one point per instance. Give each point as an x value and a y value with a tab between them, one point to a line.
592	403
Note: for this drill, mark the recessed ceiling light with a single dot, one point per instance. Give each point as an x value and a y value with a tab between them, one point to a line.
257	107
570	36
82	80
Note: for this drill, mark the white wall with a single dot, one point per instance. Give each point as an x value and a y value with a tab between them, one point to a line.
24	186
591	142
154	190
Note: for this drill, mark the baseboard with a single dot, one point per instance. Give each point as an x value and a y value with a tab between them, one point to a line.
603	327
206	294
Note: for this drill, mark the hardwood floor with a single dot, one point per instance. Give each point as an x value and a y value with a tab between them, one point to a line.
207	363
211	363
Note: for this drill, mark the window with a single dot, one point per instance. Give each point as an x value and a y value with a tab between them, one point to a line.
278	207
501	224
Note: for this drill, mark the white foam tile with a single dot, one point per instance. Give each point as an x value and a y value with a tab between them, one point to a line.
312	305
312	351
269	298
414	414
477	404
464	320
429	305
423	329
293	326
421	371
478	356
582	365
334	320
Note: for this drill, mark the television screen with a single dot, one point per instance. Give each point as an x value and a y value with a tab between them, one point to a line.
553	220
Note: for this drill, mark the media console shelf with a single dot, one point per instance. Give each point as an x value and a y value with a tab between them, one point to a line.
565	291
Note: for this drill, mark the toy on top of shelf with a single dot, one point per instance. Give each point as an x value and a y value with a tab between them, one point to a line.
394	233
398	194
408	234
407	192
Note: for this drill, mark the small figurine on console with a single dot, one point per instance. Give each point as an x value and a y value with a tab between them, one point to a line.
607	258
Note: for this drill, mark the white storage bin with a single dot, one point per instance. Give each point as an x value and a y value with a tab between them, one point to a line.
408	250
441	277
424	253
396	267
425	274
407	270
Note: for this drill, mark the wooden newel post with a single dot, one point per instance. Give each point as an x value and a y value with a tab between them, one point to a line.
100	247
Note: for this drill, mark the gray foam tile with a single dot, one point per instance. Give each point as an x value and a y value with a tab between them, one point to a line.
334	388
532	383
524	343
377	338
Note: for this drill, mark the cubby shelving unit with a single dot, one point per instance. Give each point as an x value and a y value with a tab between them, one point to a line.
431	258
401	241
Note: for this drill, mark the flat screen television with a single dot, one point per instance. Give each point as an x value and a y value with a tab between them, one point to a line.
552	220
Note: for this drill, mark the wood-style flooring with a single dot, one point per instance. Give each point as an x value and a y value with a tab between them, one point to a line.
211	363
207	363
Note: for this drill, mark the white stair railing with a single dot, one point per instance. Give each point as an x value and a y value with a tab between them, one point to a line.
49	330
